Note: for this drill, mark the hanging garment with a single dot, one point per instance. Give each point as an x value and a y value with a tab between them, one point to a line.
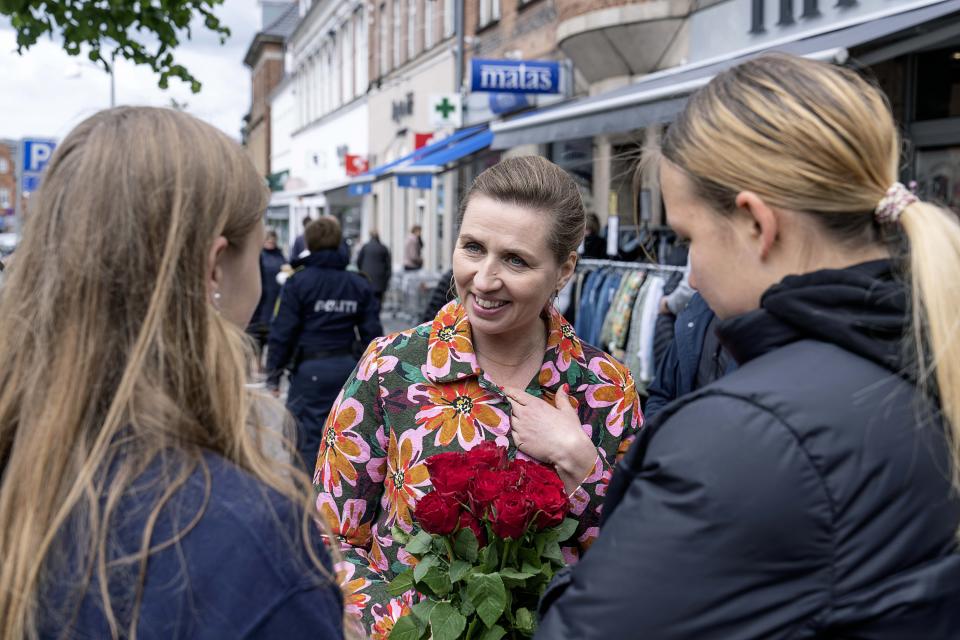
605	299
631	356
648	324
587	298
613	335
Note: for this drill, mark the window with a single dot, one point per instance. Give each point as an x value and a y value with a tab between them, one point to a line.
397	32
489	11
382	44
360	51
346	55
4	166
411	29
428	20
448	18
4	196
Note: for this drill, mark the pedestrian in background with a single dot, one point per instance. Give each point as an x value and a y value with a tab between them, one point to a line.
271	263
326	316
413	250
374	261
137	499
299	246
807	494
594	245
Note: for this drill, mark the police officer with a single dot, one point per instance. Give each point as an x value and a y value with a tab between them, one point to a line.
322	309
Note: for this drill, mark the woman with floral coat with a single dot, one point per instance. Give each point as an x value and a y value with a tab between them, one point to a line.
498	363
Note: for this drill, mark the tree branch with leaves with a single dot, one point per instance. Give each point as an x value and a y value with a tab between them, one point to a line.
145	32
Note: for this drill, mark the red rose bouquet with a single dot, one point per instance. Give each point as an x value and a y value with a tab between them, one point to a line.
489	544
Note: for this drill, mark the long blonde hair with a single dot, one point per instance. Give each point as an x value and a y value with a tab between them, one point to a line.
817	138
113	356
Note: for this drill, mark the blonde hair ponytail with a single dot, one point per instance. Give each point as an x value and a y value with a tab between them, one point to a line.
934	237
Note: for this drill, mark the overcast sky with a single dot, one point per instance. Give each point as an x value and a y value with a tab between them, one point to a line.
45	92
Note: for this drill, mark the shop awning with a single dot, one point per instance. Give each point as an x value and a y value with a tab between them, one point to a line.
660	96
418	174
416	154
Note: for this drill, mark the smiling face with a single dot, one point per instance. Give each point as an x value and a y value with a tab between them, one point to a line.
504	270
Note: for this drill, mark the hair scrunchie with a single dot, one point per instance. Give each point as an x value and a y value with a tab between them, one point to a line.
897	198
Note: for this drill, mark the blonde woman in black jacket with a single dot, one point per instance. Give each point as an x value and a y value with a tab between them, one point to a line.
811	493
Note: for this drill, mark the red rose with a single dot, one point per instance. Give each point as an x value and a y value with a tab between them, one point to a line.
449	472
487	455
539	474
550	503
469	521
486	486
510	514
437	513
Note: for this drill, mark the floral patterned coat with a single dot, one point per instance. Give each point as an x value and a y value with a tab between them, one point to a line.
421	392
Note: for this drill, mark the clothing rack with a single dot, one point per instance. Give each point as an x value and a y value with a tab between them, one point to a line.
635	266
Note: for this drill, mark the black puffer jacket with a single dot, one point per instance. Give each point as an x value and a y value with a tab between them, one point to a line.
805	495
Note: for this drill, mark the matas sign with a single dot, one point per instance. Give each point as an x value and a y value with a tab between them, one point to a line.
515	76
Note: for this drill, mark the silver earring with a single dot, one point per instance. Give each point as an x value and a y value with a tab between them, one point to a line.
216	300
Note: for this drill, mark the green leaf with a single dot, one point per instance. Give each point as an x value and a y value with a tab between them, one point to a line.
466	607
438	580
401	584
551	551
515	576
524	620
566	529
420	544
494	633
423	567
399	535
465	545
491	558
446	623
423	609
489	596
458	569
406	628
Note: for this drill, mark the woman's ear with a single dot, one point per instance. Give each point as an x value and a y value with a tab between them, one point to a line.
213	264
567	269
763	220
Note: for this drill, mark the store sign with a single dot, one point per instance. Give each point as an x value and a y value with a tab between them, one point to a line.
355	165
421	140
359	188
809	9
402	108
515	76
445	110
415	180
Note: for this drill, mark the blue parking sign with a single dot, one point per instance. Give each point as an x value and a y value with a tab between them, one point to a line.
34	156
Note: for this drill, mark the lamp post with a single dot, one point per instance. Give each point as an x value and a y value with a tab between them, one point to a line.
75	72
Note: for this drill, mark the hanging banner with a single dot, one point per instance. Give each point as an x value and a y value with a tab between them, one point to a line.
421	140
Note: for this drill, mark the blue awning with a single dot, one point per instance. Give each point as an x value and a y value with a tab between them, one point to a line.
417	154
418	173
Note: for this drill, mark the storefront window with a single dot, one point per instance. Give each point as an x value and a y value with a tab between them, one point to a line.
938	84
938	176
576	158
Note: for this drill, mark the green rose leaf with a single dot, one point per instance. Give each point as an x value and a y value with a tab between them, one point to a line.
401	584
438	580
551	551
494	633
467	608
524	620
458	569
420	544
423	609
566	529
465	545
446	623
507	572
491	558
489	596
406	628
423	567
